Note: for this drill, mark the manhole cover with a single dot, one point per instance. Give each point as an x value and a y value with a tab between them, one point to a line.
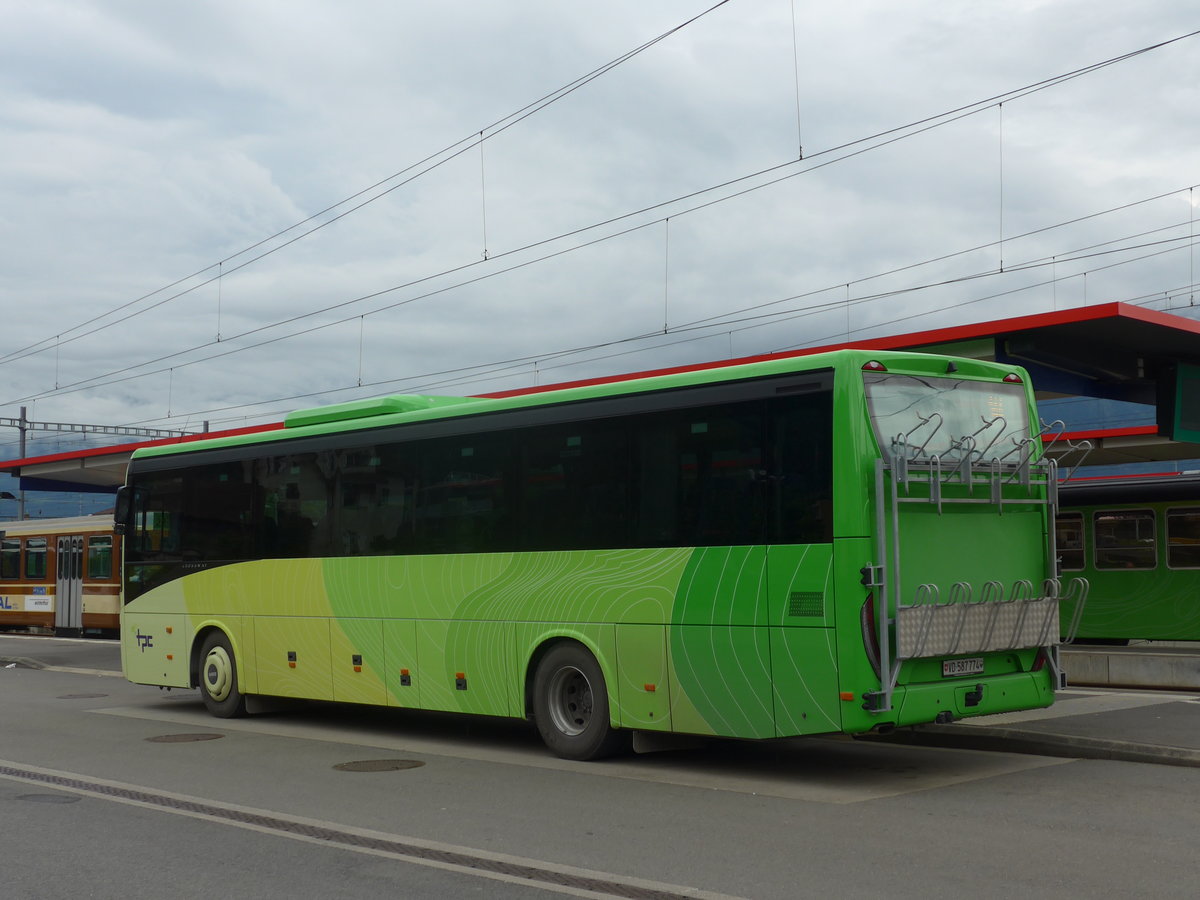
183	738
378	765
81	696
49	798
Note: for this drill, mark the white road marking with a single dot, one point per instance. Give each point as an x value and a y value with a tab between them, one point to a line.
542	874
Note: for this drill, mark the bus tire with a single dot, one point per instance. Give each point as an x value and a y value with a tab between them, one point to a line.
219	685
570	705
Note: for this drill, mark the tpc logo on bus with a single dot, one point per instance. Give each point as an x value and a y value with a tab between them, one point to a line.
144	640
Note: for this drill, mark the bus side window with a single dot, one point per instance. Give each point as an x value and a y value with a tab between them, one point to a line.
1068	538
658	492
392	529
717	470
575	486
218	516
698	477
292	493
465	497
155	531
801	473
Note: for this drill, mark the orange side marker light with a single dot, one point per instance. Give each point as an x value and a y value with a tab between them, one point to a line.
847	695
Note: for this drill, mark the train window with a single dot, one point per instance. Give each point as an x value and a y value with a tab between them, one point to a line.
1124	539
1183	538
1068	538
10	559
99	557
35	558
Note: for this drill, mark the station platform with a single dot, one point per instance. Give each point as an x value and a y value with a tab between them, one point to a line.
1084	723
1141	664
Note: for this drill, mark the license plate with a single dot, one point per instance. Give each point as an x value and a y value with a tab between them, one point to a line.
971	666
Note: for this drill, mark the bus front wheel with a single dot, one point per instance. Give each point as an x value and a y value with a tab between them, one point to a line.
219	678
570	705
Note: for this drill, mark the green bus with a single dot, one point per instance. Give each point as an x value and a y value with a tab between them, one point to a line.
1136	539
840	542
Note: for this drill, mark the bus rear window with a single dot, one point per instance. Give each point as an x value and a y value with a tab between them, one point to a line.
923	416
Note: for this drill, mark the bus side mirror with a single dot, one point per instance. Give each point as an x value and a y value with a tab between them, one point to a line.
121	510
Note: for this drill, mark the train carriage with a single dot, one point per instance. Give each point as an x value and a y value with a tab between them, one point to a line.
60	574
1136	539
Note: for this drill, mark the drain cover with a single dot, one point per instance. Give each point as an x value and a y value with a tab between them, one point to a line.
378	765
49	798
80	696
183	738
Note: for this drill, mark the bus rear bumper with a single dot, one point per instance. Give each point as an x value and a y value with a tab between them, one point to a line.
919	704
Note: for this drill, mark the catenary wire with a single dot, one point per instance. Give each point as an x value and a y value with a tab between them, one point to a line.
884	138
1043	84
453	150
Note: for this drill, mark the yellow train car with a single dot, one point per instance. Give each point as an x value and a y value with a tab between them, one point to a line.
60	574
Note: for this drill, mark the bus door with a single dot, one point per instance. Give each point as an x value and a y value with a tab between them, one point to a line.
68	606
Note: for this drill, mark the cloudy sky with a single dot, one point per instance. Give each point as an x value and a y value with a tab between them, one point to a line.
224	210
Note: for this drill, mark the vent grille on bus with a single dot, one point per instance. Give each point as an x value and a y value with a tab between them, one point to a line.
806	604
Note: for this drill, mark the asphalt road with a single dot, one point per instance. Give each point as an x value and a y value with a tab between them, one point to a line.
109	789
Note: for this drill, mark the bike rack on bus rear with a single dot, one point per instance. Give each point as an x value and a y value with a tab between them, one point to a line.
1001	619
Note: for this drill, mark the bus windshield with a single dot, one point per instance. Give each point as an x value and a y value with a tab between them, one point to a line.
922	416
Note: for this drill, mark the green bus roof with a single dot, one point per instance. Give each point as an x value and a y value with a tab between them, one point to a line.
411	408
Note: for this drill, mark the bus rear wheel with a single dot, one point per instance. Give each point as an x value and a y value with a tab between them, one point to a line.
219	678
570	705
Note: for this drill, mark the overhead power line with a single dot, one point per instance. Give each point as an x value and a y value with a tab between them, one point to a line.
856	147
719	321
829	156
677	335
846	150
422	167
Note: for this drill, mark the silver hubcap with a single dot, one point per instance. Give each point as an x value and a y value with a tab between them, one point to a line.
570	701
218	674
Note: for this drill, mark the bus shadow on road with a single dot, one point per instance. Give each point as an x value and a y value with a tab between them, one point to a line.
833	769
